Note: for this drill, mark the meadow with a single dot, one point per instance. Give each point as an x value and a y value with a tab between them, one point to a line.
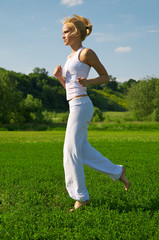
34	203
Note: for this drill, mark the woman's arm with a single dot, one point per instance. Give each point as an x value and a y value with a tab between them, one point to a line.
58	75
90	58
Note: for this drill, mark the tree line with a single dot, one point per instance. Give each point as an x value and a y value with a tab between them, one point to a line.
24	98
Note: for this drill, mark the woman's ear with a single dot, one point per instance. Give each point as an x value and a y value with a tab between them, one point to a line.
78	34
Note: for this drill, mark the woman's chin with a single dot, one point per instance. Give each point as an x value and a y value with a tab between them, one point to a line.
66	43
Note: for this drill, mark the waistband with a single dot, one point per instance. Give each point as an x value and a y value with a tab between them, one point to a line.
79	100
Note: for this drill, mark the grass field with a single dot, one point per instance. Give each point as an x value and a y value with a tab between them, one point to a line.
35	205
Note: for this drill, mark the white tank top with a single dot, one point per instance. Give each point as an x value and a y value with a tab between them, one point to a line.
73	69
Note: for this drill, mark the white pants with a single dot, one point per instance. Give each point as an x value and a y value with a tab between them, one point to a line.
77	151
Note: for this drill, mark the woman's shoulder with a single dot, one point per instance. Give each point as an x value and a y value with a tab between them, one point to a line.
86	54
87	50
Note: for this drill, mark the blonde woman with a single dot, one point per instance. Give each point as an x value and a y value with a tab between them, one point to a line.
77	150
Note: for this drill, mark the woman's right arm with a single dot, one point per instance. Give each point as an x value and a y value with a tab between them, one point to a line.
58	75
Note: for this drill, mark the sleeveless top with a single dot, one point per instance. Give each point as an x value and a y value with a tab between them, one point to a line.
73	69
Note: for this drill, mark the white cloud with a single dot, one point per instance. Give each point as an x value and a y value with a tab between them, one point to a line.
44	29
126	18
71	3
33	18
104	37
123	49
153	31
151	28
108	37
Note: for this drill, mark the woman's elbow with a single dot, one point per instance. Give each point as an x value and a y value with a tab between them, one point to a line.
106	78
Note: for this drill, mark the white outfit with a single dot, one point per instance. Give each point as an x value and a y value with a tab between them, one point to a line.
72	70
77	150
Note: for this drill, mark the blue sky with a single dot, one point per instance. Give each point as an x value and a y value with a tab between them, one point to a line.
125	35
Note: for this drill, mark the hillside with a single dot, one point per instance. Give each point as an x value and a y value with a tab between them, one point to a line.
107	100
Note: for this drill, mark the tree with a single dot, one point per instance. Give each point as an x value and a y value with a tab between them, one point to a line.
10	96
31	109
112	84
143	98
42	71
123	87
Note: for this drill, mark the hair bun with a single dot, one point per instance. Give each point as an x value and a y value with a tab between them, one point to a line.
86	22
88	29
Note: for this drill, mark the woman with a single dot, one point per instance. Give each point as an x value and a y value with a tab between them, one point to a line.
77	150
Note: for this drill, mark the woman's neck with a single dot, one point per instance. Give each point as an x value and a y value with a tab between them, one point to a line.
75	47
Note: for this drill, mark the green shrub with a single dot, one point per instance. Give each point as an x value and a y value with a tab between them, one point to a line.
107	118
64	117
155	115
98	115
48	116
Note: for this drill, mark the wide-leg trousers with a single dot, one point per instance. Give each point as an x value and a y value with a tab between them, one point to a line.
77	151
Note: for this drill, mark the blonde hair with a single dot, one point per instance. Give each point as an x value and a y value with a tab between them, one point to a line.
79	23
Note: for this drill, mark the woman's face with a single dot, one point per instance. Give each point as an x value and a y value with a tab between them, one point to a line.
68	36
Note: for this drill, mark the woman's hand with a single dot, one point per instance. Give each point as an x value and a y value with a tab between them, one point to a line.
82	81
58	72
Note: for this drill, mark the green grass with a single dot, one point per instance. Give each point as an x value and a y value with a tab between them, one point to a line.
35	204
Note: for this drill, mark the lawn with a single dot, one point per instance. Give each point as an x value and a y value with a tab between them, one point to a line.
35	205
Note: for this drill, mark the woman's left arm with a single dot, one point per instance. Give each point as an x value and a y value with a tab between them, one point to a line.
89	57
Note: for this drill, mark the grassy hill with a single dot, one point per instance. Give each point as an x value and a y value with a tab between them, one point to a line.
108	100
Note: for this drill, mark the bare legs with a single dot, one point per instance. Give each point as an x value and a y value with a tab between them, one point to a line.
124	180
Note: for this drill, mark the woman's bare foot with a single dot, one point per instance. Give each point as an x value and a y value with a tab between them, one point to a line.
79	204
125	180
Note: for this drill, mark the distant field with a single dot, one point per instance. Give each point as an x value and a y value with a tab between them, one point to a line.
35	205
109	116
121	116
